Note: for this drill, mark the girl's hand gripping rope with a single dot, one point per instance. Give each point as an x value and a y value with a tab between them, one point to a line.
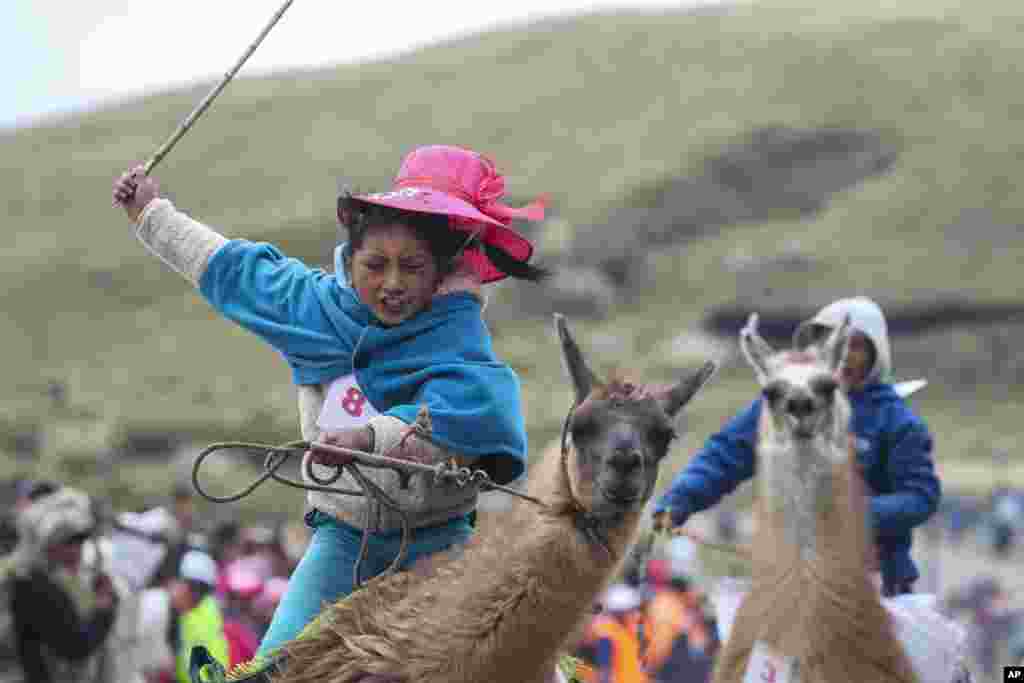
354	438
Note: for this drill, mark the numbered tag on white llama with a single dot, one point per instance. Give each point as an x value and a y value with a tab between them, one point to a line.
345	406
935	644
764	666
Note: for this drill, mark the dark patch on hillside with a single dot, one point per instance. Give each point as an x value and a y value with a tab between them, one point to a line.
903	319
776	173
948	340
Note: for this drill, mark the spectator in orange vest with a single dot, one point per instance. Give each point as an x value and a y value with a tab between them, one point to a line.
614	637
678	634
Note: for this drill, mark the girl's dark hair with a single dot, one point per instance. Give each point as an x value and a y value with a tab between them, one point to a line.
445	242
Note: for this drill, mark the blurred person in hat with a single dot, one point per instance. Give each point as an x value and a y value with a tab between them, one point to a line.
267	545
396	328
241	587
225	547
25	491
197	618
178	532
257	554
893	446
226	542
678	635
613	641
61	615
257	539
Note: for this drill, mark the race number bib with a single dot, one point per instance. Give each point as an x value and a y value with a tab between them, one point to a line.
345	406
764	666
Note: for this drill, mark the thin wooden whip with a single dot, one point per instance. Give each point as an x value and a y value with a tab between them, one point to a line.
205	103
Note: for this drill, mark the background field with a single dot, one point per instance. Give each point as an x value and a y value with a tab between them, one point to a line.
604	112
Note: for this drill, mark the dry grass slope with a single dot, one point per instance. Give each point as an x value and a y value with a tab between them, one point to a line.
587	109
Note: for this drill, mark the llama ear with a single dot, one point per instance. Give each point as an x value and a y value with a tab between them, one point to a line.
683	392
837	344
755	348
583	379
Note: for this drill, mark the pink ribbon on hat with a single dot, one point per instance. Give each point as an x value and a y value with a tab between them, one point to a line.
492	189
486	200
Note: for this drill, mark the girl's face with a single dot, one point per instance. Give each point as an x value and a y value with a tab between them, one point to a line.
394	273
858	360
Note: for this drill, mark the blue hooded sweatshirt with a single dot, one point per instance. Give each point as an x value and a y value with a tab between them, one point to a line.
441	357
894	452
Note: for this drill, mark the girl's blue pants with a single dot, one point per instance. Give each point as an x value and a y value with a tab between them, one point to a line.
326	570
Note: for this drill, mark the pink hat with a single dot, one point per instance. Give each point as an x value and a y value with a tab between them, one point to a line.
457	182
243	583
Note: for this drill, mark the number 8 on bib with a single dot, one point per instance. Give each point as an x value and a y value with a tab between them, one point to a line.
345	406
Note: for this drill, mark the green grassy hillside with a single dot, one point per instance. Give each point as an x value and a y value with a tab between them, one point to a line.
589	110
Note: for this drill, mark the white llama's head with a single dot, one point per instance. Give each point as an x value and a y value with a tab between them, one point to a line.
801	389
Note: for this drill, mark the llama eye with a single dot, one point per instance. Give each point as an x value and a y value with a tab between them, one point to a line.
825	387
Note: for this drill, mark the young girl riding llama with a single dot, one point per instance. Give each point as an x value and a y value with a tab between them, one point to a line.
396	327
502	610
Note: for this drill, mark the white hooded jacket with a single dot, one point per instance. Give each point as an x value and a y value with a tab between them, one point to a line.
867	318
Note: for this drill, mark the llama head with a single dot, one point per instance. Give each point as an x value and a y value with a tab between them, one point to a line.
620	433
801	389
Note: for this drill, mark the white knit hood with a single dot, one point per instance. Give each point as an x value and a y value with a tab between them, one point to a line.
51	519
867	318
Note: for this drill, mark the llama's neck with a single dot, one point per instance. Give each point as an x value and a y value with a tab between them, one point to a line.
801	483
812	598
576	569
538	574
796	485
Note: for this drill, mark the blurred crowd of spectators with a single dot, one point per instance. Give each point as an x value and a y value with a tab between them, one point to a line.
654	626
103	597
89	595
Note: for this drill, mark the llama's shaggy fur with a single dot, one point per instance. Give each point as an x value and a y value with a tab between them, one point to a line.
812	598
502	608
484	616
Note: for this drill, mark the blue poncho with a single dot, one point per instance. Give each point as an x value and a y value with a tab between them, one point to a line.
441	357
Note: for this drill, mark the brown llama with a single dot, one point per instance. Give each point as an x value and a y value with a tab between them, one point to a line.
812	607
502	609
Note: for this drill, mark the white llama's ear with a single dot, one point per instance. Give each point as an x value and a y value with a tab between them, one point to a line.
683	392
755	348
837	344
583	379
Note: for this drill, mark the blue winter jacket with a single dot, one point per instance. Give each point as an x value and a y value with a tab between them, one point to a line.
894	451
441	357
